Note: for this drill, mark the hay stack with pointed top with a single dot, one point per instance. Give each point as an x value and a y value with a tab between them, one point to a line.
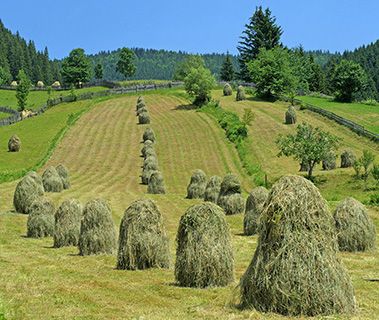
148	135
40	84
148	149
144	118
329	163
227	91
230	198
56	85
347	159
156	183
240	93
148	169
290	116
253	210
41	218
52	182
197	185
65	176
14	144
212	189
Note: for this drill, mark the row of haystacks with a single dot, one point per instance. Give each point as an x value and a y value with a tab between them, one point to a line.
142	112
228	91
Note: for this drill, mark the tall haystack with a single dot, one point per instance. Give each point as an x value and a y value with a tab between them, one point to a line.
67	223
197	185
27	191
240	93
41	218
230	198
140	105
148	135
290	116
143	242
212	189
97	229
14	144
150	161
141	110
156	183
144	118
204	255
148	149
329	163
140	99
347	159
65	177
52	182
295	269
253	210
147	171
355	229
228	91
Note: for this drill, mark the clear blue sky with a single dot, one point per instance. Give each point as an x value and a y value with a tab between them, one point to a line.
197	26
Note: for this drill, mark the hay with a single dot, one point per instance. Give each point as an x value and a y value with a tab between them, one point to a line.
14	144
141	110
240	93
97	229
355	229
212	189
156	183
329	163
148	135
27	191
290	116
148	149
65	177
67	224
40	84
150	161
147	171
197	185
52	182
347	159
14	84
140	99
204	255
253	210
41	219
143	242
56	84
144	118
228	91
295	269
230	198
140	105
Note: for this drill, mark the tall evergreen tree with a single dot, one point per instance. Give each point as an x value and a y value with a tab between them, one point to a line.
22	91
227	69
261	32
99	71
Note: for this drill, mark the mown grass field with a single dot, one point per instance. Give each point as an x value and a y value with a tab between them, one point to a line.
102	153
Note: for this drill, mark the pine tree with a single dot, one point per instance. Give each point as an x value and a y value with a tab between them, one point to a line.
227	69
261	32
98	71
22	91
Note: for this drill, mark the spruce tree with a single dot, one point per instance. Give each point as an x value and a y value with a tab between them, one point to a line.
98	71
227	69
22	91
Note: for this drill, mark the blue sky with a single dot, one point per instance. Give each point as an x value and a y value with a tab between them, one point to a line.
192	25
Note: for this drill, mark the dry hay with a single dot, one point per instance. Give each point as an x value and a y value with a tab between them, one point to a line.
212	189
240	93
97	229
27	191
40	84
290	117
56	84
14	144
140	105
197	185
227	91
156	183
253	210
150	161
204	255
67	224
52	182
140	99
147	171
65	177
144	118
329	163
355	229
41	218
295	269
347	159
148	135
148	149
230	198
143	242
14	84
141	110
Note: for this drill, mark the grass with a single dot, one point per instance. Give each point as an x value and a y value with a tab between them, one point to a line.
363	114
101	152
128	83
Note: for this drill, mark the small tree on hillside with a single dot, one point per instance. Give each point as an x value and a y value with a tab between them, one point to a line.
227	69
76	68
198	84
126	63
22	90
366	161
308	145
183	68
99	71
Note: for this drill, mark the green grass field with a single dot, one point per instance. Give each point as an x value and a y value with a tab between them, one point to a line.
101	152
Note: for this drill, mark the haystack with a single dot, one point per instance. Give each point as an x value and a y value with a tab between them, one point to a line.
347	159
147	149
290	117
150	161
355	229
156	183
67	224
140	98
295	269
27	191
41	218
141	110
144	118
40	84
147	171
97	229
52	182
253	210
240	93
204	255
329	163
230	198
14	144
212	189
56	84
65	177
148	135
143	242
140	105
197	185
228	91
14	84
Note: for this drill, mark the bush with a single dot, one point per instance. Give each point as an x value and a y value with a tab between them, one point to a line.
52	182
41	218
230	198
197	185
198	84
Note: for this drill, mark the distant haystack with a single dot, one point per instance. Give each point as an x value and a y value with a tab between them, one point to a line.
290	117
141	105
56	85
228	91
212	189
148	135
14	84
14	144
147	171
143	242
52	182
329	163
41	218
230	198
197	185
63	173
140	99
204	255
141	110
40	84
148	149
156	183
253	210
347	159
240	93
144	118
150	161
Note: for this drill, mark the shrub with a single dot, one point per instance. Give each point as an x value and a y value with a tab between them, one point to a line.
148	135
14	144
240	96
290	117
253	210
52	182
212	189
65	177
197	185
156	183
374	199
230	198
144	118
41	218
347	159
198	84
228	91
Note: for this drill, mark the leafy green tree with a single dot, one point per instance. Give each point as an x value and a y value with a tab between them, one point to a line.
272	73
347	78
99	71
308	145
227	70
22	90
126	63
184	68
261	32
366	161
76	68
198	84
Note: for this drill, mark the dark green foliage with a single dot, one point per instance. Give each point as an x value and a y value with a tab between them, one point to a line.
126	63
204	255
240	96
99	73
295	270
290	116
52	181
375	173
235	130
14	144
230	198
227	90
198	83
227	69
329	162
149	135
212	189
253	210
41	218
347	159
65	177
197	185
22	90
156	183
76	68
